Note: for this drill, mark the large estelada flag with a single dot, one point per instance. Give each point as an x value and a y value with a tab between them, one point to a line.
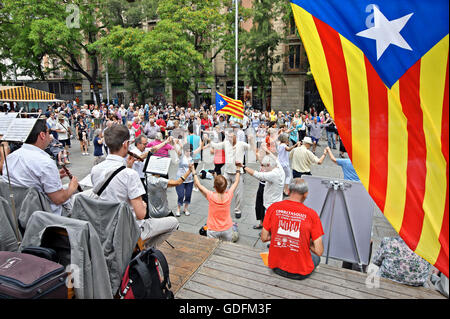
227	105
381	68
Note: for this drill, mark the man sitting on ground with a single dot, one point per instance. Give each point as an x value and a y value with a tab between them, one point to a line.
126	186
295	234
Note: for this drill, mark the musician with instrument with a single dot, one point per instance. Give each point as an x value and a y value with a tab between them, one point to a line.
125	186
138	152
31	166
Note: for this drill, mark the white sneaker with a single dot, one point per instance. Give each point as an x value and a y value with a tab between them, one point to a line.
195	189
177	213
187	213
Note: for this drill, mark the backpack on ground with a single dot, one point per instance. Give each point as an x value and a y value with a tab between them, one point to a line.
147	277
203	230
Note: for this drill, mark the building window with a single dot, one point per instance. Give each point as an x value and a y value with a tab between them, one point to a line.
53	87
67	88
294	57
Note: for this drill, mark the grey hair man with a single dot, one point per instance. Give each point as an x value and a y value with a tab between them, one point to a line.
295	234
151	128
272	174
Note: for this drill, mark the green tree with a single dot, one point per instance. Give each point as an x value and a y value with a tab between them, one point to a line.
15	47
128	13
67	36
66	31
120	45
187	32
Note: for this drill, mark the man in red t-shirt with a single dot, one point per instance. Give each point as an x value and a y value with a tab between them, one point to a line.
295	233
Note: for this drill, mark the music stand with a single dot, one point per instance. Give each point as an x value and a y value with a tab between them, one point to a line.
157	165
160	170
18	131
5	121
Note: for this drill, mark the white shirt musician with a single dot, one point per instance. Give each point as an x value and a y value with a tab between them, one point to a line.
31	166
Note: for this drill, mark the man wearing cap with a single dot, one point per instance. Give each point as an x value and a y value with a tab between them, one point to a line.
302	158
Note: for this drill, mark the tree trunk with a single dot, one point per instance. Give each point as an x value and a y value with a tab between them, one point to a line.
196	95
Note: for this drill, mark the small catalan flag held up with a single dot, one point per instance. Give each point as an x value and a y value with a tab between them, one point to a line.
226	105
381	68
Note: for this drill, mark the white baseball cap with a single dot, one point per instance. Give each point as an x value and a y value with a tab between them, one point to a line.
307	140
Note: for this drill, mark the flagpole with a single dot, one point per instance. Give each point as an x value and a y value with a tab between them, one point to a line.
107	82
236	27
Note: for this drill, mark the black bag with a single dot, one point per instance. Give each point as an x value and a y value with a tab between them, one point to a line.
203	230
147	277
43	252
24	276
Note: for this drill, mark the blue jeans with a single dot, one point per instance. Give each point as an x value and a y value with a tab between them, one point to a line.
330	138
184	192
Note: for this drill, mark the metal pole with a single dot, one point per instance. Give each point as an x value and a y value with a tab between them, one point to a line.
107	82
236	26
331	225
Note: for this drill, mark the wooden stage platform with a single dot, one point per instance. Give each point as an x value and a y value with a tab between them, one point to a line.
202	268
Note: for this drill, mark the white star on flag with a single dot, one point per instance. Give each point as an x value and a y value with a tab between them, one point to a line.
221	103
386	32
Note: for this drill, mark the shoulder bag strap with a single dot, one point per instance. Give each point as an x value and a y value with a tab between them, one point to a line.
143	272
100	191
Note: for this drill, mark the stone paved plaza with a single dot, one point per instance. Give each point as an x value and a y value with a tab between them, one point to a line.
81	166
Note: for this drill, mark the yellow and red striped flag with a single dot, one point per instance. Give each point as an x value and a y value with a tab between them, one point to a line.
381	68
227	105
